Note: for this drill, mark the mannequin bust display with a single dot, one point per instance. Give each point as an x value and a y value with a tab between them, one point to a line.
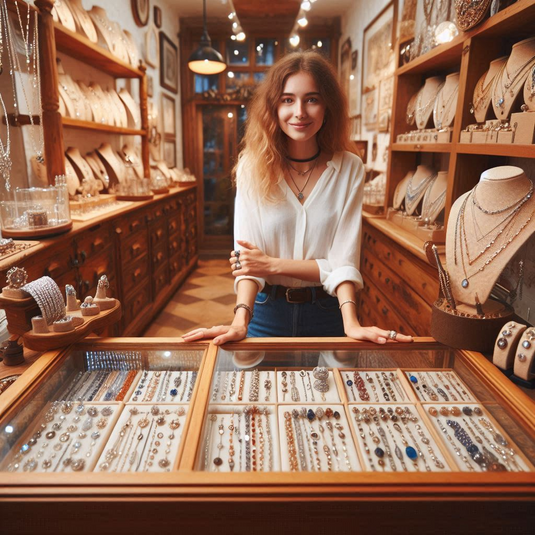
529	90
94	105
510	81
132	109
107	107
417	186
119	107
486	227
81	167
426	100
83	21
401	191
73	182
132	157
105	30
132	48
411	108
435	198
482	98
62	13
98	168
112	164
120	45
73	97
446	102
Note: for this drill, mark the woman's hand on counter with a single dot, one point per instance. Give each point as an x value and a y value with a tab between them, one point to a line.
220	333
374	334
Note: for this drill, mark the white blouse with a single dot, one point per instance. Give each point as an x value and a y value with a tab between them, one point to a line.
325	228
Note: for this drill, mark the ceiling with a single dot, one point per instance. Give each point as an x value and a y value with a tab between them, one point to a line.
254	13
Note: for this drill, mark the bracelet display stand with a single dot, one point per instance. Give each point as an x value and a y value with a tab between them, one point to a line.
524	363
506	345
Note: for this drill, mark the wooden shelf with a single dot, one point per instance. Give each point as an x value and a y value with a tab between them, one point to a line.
422	147
497	149
440	58
401	236
90	125
81	48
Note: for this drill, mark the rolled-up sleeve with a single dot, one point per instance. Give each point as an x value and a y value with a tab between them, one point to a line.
247	226
343	258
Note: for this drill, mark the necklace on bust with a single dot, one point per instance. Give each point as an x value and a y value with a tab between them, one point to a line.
413	194
481	93
503	86
300	194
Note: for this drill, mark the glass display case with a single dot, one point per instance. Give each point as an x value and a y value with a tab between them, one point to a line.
301	419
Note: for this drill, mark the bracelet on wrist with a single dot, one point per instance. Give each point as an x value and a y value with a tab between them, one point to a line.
347	301
246	307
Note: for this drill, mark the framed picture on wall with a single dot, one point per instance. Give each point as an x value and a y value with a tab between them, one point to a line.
370	108
386	92
378	48
383	123
169	115
168	64
169	152
157	17
141	11
354	125
152	50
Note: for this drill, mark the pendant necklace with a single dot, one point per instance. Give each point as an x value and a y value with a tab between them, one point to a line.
512	80
300	195
413	195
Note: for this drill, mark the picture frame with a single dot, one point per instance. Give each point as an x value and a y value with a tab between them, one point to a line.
377	58
386	94
169	152
141	11
383	123
152	48
157	16
168	64
370	108
150	86
168	114
355	126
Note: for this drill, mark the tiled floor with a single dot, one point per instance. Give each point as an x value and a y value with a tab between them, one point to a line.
206	298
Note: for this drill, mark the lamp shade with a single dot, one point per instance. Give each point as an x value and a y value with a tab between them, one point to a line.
206	60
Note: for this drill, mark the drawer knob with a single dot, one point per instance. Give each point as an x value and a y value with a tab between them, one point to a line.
135	249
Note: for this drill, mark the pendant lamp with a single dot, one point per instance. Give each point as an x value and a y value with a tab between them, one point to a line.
206	60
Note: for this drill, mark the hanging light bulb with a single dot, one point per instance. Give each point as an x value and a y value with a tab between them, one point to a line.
206	60
240	36
302	21
306	5
294	40
231	15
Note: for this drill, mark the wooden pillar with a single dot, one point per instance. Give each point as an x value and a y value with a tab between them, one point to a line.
143	96
52	123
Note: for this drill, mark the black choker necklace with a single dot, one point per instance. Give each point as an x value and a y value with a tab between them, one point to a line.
306	159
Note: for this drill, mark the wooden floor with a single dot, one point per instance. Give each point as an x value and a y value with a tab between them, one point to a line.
206	298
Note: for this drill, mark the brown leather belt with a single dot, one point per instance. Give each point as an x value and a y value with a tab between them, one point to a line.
296	295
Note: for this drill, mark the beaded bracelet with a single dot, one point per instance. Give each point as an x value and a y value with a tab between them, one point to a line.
345	302
246	307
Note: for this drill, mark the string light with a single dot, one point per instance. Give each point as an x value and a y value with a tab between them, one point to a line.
303	21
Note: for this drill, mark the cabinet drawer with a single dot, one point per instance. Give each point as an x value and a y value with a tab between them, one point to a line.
135	274
159	256
158	233
160	280
175	245
128	226
90	273
176	264
173	226
155	212
411	306
134	247
134	306
375	309
421	277
56	263
92	242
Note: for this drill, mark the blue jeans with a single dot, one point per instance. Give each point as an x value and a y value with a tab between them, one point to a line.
276	317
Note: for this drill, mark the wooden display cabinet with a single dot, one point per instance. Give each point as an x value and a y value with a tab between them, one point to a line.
191	497
469	54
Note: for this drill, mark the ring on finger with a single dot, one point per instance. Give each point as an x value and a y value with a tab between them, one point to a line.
238	264
392	335
237	253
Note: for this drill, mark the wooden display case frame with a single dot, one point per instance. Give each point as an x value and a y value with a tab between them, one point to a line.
331	500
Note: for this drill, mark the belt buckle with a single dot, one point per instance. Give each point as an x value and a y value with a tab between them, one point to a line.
289	292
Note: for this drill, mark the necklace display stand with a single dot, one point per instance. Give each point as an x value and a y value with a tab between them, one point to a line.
430	228
83	21
426	101
486	227
523	123
445	107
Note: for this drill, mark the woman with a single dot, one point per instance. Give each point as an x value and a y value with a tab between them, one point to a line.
298	212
